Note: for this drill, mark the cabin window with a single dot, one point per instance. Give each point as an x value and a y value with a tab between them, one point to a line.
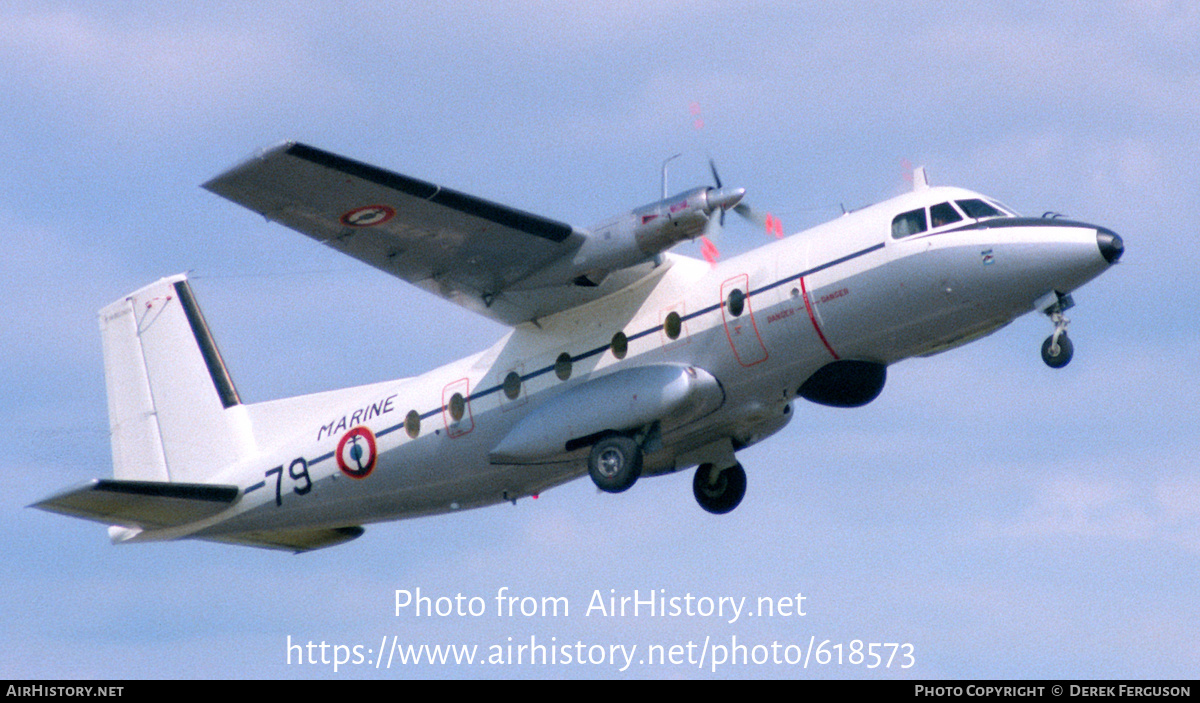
512	385
943	214
412	424
737	302
458	407
673	325
620	345
908	223
978	209
562	366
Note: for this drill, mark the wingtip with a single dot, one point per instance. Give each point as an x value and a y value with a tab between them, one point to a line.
213	185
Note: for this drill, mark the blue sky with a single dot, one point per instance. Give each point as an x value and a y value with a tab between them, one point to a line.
1006	519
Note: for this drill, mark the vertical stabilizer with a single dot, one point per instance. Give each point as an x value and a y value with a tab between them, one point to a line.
920	180
173	410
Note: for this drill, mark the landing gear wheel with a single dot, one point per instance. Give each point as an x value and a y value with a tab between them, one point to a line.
1057	350
1058	355
615	463
721	493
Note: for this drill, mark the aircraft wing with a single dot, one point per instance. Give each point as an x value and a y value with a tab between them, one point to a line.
490	258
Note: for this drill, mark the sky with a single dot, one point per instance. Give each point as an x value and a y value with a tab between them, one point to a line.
988	516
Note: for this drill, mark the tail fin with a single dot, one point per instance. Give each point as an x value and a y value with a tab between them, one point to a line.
172	407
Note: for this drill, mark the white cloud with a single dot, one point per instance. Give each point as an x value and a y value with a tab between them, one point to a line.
49	305
132	76
1083	505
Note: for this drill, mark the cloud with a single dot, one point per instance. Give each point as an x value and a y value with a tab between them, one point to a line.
1086	506
134	74
48	317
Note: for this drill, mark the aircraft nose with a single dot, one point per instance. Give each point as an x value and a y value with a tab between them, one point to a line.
1110	243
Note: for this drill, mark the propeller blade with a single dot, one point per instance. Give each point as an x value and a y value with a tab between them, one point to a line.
721	199
774	226
712	229
750	214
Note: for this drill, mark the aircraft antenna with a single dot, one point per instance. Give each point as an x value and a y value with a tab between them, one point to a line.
664	174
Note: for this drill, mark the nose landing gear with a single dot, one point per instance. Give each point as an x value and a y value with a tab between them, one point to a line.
1057	353
1057	350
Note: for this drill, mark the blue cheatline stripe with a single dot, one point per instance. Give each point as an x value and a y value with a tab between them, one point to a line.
600	350
703	312
643	333
817	269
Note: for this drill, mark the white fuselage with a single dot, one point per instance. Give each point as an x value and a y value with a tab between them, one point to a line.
845	290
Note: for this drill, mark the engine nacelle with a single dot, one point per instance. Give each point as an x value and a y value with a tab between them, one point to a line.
642	234
659	226
622	401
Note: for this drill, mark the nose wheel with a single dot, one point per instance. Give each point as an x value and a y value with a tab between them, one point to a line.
1057	350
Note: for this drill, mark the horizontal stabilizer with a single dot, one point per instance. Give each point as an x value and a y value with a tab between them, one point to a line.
301	540
144	504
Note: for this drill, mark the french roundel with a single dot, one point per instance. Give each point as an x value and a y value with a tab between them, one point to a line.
356	453
368	216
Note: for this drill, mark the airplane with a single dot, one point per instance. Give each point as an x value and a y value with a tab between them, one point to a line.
622	360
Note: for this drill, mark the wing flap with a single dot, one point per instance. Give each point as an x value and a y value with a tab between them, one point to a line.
141	504
461	247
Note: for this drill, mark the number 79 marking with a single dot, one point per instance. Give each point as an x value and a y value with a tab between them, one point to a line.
298	471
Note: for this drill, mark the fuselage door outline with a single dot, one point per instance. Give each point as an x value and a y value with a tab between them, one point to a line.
456	408
741	329
673	325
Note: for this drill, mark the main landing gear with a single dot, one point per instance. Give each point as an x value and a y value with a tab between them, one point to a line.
719	490
615	463
1057	350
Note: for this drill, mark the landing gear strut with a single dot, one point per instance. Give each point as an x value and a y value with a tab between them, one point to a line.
719	490
1057	350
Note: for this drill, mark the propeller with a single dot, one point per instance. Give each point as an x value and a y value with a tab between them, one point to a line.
723	199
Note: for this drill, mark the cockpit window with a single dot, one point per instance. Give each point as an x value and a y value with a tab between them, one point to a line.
908	223
978	209
943	214
1004	208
